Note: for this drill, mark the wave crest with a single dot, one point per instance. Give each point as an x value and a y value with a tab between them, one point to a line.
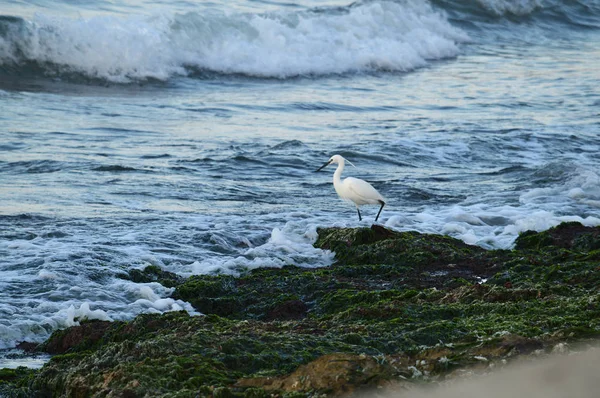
370	36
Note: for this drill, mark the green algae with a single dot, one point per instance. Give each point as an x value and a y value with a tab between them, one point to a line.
378	245
190	352
394	296
14	383
569	235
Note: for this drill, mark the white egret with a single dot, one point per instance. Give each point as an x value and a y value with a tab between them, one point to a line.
353	189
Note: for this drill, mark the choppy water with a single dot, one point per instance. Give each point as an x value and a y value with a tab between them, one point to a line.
186	135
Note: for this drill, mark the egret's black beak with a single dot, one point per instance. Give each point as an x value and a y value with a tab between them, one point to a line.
322	167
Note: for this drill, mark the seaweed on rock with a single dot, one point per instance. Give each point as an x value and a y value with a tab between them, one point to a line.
395	306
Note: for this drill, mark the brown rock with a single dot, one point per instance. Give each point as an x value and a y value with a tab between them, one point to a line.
336	374
27	346
83	335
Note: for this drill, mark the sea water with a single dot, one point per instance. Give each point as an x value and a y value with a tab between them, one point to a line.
187	134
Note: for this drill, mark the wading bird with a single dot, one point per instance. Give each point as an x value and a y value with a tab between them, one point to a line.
353	189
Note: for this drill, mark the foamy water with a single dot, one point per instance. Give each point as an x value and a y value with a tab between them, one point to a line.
370	36
187	136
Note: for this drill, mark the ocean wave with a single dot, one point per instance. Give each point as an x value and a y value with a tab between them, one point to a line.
32	166
363	37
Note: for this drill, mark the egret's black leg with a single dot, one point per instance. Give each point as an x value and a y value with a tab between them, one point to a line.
381	208
359	217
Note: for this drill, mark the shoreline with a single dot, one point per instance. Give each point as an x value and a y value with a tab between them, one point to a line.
395	309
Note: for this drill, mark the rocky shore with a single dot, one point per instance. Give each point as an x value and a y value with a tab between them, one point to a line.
397	309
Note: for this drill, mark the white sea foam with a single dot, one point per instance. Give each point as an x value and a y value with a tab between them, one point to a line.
69	305
515	221
495	226
73	315
397	36
582	185
45	274
147	293
290	245
150	301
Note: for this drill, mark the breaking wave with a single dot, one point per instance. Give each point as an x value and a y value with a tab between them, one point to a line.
364	37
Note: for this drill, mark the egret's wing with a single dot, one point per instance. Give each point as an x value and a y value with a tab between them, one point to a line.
363	190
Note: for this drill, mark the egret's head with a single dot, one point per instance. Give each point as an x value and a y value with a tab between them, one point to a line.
337	159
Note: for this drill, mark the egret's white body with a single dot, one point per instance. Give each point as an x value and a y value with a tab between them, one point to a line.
353	189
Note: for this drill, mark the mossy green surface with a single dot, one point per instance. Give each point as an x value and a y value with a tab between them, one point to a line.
396	297
14	383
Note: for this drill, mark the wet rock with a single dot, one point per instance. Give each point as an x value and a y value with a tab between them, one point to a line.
571	235
395	306
28	347
337	374
212	294
153	273
79	337
420	259
15	382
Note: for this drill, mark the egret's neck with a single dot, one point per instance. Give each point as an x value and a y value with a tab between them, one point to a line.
337	181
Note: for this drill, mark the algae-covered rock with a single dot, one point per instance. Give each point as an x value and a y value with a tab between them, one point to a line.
378	245
395	306
571	235
14	383
213	295
368	259
79	338
175	354
153	273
